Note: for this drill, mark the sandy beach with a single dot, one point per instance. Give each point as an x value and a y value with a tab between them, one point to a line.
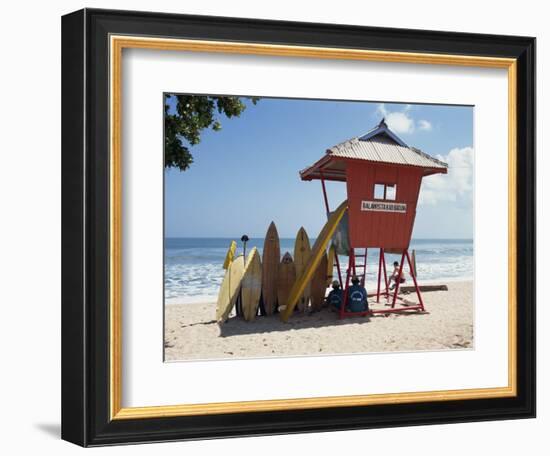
192	333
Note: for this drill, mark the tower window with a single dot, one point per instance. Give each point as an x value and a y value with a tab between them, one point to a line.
385	192
391	192
379	191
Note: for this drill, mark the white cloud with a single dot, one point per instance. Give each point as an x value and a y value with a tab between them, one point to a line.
456	186
398	121
424	125
401	121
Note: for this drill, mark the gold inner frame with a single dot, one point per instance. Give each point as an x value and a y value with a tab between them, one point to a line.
117	44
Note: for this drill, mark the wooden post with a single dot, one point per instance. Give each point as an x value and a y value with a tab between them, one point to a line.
415	283
325	197
364	269
379	276
385	272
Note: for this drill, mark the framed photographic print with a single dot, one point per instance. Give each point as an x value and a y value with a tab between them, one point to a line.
277	227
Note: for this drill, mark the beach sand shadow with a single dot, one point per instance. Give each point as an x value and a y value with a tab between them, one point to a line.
237	327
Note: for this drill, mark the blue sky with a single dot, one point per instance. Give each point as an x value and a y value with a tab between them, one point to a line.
246	175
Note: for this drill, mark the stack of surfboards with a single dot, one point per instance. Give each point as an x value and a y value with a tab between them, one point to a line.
296	282
315	267
279	277
242	280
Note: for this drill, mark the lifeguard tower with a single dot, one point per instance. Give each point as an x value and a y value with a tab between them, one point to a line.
383	177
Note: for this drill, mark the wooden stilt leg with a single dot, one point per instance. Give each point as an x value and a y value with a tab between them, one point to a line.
336	259
397	282
413	275
385	272
364	269
379	276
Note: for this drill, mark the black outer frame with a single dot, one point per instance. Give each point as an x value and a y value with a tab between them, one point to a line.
85	227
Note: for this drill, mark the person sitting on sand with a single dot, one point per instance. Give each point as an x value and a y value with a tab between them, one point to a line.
335	297
395	275
357	296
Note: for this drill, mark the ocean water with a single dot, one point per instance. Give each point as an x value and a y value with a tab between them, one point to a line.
193	266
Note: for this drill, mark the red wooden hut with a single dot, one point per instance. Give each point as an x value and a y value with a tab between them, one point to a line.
383	177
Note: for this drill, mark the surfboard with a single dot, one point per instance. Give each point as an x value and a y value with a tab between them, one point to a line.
316	253
230	254
302	251
251	287
319	284
286	278
270	266
229	290
330	264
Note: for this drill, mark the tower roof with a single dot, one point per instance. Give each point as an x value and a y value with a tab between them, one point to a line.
379	145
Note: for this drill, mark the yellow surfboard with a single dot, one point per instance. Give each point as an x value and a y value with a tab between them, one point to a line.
302	252
251	287
229	291
317	252
230	254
